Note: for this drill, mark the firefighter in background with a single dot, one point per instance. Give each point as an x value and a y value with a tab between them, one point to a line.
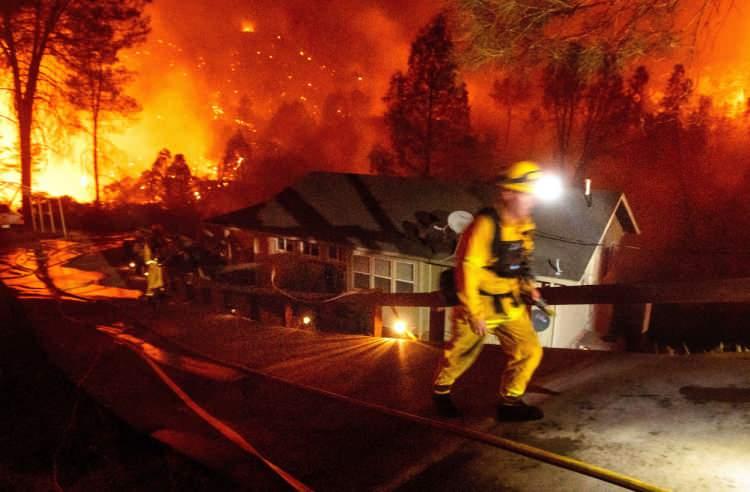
493	279
153	252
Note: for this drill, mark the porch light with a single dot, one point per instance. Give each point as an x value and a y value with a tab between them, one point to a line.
306	320
399	327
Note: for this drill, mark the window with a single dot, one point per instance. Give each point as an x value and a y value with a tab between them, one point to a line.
335	253
310	249
404	277
361	268
285	245
383	274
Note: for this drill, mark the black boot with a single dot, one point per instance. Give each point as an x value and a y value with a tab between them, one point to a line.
516	410
444	406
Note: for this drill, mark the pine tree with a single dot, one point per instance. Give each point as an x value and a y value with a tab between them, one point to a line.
564	86
237	154
428	109
178	184
38	42
507	93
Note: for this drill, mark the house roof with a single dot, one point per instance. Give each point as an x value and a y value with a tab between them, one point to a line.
408	216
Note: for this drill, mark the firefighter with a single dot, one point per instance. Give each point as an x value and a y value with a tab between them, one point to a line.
493	278
153	252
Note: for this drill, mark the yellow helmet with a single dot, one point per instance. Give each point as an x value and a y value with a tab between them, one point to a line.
521	177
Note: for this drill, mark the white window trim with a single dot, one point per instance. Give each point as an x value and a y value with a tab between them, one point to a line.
299	248
340	257
287	241
393	261
310	243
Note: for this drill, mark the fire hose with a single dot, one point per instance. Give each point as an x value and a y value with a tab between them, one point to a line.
478	436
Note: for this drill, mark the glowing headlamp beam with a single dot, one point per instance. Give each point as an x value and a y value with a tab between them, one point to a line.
548	188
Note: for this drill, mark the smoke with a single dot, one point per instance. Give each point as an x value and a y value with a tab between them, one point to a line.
202	58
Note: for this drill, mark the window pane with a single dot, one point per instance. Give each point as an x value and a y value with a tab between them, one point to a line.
333	253
404	287
405	271
383	284
361	281
311	249
361	264
382	267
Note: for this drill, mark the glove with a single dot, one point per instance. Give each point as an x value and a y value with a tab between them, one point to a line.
478	326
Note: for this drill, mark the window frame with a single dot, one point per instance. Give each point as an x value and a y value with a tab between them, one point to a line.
339	256
290	245
310	245
393	278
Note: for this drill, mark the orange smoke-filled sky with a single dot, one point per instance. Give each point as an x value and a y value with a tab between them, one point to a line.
202	57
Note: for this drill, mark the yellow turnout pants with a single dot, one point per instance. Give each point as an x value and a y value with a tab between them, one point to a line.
155	279
518	341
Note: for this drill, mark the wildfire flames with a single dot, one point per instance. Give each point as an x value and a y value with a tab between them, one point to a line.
61	166
193	73
248	26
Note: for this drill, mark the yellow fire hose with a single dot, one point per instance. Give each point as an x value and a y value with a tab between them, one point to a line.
532	452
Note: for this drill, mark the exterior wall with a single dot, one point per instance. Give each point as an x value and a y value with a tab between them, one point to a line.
573	326
426	279
582	326
575	321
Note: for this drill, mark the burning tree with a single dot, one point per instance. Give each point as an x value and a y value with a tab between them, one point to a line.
96	81
237	155
428	110
178	184
42	40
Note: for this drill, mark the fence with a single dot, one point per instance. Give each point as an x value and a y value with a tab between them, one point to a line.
43	214
707	291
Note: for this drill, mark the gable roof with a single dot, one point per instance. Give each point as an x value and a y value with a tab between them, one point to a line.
408	216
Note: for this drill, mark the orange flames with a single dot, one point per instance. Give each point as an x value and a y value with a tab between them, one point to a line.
189	90
61	168
728	93
248	26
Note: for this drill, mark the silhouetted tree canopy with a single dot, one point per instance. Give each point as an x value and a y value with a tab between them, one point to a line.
40	44
428	109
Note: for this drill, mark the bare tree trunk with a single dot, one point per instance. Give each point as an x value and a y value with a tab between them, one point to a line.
24	138
96	156
95	130
428	137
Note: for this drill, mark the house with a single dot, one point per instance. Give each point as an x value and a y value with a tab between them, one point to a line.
333	232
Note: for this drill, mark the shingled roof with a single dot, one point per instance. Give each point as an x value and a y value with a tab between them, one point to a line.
408	216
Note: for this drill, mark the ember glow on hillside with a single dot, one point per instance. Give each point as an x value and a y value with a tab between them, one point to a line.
210	67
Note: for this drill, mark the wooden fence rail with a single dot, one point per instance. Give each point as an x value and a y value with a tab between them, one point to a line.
705	291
